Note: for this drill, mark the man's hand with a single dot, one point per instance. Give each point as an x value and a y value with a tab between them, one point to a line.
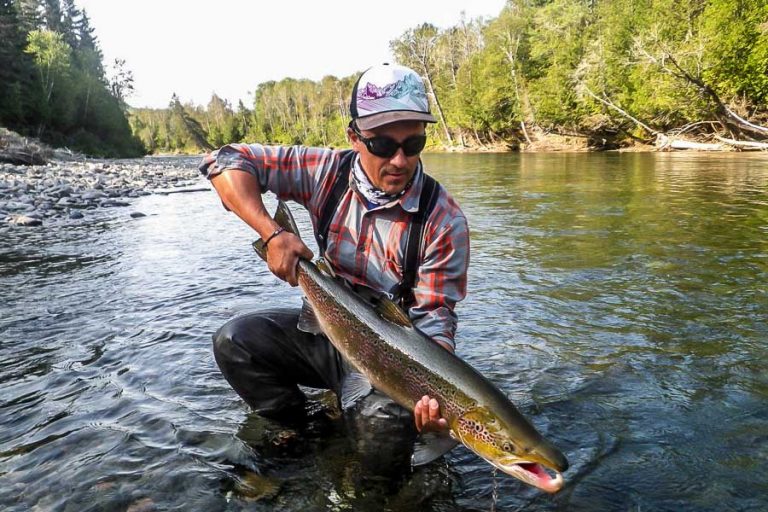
283	253
241	193
427	416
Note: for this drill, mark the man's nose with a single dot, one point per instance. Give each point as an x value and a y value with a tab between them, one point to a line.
399	159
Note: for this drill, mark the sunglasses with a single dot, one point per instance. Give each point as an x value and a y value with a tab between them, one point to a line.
386	147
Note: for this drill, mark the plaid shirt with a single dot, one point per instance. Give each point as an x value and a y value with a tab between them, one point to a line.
365	246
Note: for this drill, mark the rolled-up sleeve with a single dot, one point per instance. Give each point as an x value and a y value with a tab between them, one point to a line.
291	172
442	279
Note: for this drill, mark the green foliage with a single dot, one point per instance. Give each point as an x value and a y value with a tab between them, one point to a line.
735	37
52	81
540	65
51	55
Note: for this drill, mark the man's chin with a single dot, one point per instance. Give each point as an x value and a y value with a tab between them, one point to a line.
394	184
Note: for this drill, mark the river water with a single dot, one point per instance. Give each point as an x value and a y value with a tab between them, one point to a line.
620	299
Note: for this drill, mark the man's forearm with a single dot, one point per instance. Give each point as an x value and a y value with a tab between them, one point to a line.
241	193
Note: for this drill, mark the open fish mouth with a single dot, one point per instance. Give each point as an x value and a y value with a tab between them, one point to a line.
534	474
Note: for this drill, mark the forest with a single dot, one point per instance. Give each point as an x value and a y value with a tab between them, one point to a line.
543	74
597	74
53	82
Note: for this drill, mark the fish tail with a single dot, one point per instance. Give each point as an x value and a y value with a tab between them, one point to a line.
285	220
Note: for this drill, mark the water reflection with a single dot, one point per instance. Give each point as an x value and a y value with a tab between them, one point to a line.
629	312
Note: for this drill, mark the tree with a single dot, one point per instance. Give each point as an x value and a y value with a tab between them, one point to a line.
52	57
186	127
121	82
16	67
415	49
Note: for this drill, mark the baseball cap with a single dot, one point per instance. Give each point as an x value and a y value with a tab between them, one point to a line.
388	93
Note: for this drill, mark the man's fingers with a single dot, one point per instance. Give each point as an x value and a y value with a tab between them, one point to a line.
434	410
307	253
417	415
426	414
425	410
292	275
421	413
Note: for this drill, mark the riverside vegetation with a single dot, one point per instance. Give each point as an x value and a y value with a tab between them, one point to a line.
543	74
53	82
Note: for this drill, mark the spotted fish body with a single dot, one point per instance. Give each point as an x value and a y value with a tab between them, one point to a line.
404	364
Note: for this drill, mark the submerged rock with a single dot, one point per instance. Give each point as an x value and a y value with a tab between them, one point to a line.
25	220
254	487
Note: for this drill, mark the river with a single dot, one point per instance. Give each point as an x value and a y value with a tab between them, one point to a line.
621	300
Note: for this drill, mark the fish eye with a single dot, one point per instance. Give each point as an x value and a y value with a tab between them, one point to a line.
508	447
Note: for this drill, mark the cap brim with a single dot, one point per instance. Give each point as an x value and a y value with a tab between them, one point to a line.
376	120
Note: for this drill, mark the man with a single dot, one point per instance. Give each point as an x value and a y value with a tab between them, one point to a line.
263	355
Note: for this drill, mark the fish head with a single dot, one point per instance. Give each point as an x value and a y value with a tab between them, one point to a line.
514	447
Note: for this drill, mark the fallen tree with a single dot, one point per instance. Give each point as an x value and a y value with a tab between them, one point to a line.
671	140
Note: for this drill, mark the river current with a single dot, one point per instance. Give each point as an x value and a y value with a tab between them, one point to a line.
620	300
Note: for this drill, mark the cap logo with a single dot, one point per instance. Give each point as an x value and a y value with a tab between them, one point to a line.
405	94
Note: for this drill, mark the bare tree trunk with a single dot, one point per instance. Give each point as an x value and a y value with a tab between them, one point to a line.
744	145
510	51
722	112
438	107
610	104
726	116
665	142
477	137
87	100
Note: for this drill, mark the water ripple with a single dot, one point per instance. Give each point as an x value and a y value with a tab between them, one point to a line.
628	309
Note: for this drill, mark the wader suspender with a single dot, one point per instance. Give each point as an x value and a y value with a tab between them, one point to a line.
429	194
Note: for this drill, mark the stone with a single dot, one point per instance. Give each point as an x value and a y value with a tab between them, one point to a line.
93	194
24	220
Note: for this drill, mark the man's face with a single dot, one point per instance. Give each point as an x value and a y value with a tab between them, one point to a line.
390	175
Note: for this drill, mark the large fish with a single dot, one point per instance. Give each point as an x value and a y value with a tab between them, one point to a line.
398	360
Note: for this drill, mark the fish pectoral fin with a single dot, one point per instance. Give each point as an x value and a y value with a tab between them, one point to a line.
392	312
308	321
431	446
355	386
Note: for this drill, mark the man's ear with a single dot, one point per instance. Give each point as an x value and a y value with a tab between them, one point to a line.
352	137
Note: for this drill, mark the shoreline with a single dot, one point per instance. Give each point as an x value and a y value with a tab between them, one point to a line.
68	190
40	184
68	185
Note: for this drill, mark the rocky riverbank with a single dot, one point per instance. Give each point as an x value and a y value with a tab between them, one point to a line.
68	190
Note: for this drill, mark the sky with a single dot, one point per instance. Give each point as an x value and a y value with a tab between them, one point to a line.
194	48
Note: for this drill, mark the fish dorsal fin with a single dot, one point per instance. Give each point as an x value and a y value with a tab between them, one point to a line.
258	246
285	220
325	267
308	321
431	446
355	386
392	312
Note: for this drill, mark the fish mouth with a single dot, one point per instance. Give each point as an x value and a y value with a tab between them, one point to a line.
534	474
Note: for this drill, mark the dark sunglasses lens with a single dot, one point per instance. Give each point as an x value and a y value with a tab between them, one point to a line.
386	148
413	145
382	146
